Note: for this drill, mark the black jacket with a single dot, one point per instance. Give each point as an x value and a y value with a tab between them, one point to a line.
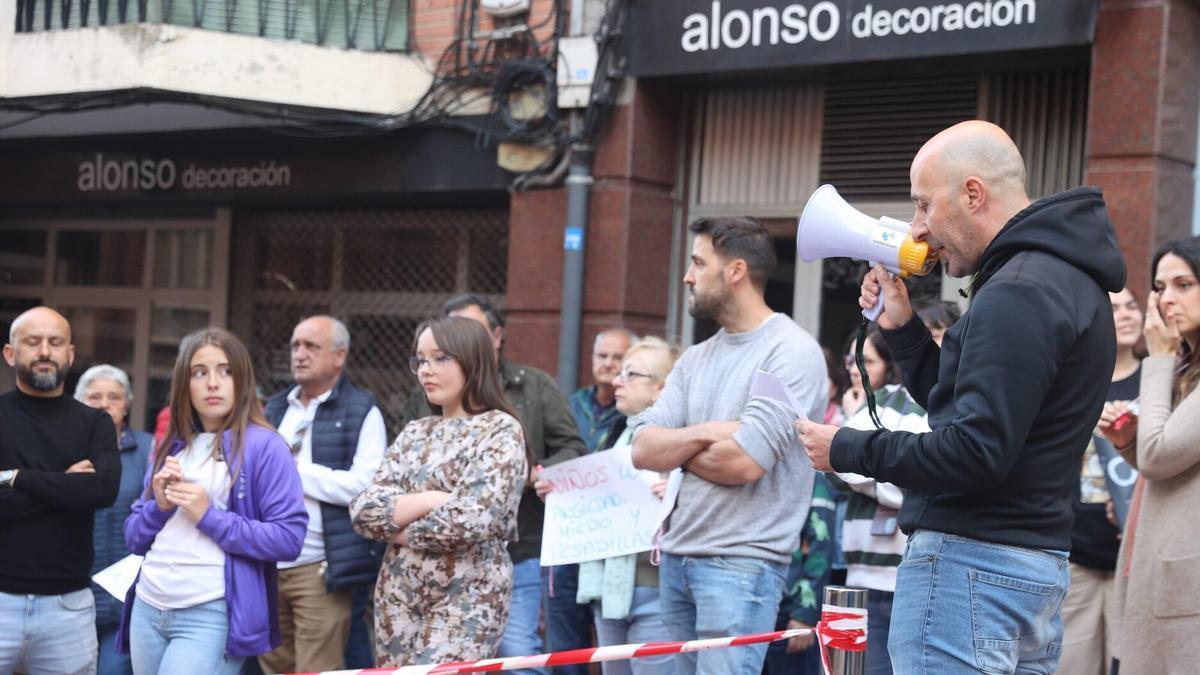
1016	389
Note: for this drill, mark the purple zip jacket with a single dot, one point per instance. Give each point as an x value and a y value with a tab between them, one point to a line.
265	524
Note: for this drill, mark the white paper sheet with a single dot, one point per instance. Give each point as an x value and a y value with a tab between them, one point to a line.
769	386
118	577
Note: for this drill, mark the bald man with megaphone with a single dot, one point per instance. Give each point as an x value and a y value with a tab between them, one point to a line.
1013	395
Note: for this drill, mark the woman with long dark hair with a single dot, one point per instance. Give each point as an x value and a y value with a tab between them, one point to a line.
1159	561
445	499
222	504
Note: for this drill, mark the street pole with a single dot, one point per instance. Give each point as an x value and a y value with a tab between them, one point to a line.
579	186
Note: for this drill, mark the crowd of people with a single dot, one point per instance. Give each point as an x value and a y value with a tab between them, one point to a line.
1012	486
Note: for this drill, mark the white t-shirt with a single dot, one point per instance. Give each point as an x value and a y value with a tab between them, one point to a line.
184	568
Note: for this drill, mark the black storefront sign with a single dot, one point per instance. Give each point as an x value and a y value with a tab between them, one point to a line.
245	166
681	37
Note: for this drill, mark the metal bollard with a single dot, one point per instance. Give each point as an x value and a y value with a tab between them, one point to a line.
843	662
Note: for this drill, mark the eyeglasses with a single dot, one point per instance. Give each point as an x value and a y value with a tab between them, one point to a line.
627	374
435	364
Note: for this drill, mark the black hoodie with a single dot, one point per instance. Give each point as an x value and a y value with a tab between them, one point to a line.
1015	390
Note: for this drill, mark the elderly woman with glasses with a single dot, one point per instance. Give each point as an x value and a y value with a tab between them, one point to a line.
107	388
623	591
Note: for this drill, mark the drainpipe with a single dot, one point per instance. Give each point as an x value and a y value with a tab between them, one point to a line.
579	185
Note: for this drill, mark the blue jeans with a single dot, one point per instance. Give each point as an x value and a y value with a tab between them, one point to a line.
48	634
968	606
568	623
521	637
110	662
644	624
188	640
879	619
719	596
360	647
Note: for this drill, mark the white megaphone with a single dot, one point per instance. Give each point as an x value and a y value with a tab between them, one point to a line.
831	228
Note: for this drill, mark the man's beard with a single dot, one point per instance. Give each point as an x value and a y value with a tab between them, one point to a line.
708	307
40	381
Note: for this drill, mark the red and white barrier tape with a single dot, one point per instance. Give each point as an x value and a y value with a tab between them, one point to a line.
843	628
840	628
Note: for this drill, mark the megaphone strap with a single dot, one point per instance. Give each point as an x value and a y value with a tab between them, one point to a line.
860	361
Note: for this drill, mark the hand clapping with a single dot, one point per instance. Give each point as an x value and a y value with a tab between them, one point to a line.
169	473
188	496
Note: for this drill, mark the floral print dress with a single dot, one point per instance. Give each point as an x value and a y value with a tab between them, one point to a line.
445	596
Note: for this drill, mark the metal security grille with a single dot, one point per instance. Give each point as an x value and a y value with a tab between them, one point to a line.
1046	115
756	150
873	129
381	272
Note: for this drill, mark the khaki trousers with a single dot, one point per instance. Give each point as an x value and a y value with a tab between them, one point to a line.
314	624
1088	618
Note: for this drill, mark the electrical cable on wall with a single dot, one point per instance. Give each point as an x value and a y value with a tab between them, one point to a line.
509	66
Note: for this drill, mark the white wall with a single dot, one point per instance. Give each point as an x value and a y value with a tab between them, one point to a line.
210	63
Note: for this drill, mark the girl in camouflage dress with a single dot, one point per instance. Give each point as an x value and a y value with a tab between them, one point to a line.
446	498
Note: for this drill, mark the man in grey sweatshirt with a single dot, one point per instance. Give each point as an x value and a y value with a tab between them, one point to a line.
747	481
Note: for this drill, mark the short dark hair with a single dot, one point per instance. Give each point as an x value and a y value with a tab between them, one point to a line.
494	316
741	237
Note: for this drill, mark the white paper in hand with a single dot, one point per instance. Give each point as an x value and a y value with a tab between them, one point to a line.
118	577
674	480
769	386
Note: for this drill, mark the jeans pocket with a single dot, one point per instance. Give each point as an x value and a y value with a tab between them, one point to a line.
77	601
1004	610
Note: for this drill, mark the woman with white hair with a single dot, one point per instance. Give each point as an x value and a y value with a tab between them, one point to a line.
107	388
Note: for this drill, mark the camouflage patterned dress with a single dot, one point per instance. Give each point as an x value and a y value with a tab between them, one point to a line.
445	596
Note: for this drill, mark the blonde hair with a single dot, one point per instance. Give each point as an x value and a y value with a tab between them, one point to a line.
664	354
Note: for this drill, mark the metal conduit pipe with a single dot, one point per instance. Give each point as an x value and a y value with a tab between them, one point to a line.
579	185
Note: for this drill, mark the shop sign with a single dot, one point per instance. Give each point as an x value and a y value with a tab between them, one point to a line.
676	37
235	166
149	174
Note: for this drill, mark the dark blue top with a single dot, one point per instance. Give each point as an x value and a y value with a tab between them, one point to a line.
108	534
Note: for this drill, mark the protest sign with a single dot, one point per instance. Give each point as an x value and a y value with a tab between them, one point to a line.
601	507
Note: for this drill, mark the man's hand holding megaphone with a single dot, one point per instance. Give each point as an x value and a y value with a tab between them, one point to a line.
897	309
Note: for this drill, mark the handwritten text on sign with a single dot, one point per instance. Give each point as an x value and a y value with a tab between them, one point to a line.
600	507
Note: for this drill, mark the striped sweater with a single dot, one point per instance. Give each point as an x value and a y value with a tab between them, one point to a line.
871	560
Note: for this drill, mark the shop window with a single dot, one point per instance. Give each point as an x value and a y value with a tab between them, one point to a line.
382	272
23	260
101	258
183	258
100	335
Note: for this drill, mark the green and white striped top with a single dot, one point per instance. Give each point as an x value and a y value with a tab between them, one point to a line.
871	560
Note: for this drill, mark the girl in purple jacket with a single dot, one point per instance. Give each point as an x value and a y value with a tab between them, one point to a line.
223	503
